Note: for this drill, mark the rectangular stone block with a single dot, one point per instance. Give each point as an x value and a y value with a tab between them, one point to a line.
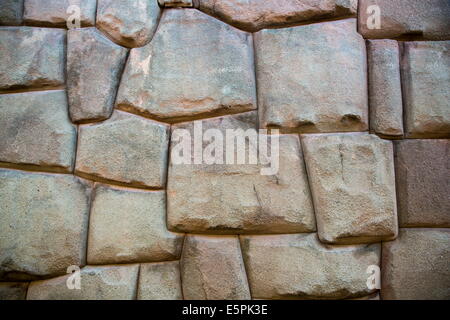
32	58
129	226
416	265
96	283
212	269
36	132
224	198
423	187
298	266
426	79
353	186
43	224
422	19
312	78
385	88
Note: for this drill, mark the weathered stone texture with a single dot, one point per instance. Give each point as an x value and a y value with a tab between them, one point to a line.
312	78
416	265
13	290
94	67
176	3
237	198
43	224
56	13
194	66
299	266
385	89
423	187
97	283
353	186
425	19
35	130
130	23
160	281
31	57
11	12
212	269
125	149
426	83
130	226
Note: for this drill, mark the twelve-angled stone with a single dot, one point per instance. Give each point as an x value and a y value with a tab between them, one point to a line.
312	78
43	224
130	226
353	187
299	266
195	66
35	129
125	149
130	23
231	198
426	79
31	57
94	66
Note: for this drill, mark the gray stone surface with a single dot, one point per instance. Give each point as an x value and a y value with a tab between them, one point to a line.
97	283
43	224
31	57
55	13
195	66
312	78
353	187
416	265
298	266
237	198
13	290
212	269
130	23
35	130
126	149
94	67
11	12
423	187
385	89
426	79
160	281
130	226
176	3
424	19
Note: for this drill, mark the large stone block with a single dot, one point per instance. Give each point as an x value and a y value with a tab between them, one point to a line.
96	283
353	187
254	15
35	130
425	19
56	13
298	266
128	226
236	198
92	80
385	88
31	57
423	188
416	265
130	23
160	281
312	78
212	269
11	12
43	224
126	149
195	66
13	290
426	79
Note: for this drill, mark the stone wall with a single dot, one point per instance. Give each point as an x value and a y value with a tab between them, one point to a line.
87	128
